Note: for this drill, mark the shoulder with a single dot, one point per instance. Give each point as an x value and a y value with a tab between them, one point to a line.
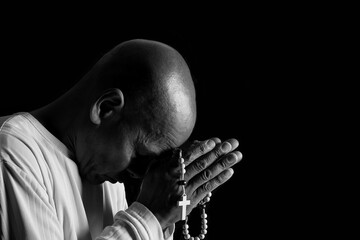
16	132
18	145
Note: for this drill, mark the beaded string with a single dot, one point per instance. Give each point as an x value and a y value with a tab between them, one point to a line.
184	202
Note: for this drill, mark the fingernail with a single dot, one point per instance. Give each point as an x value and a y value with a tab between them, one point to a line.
229	172
210	143
231	159
225	147
240	155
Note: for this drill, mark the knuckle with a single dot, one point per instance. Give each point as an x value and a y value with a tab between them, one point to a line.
217	153
207	187
194	143
200	165
206	175
202	148
223	163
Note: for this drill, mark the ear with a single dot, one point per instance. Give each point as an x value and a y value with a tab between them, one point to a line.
109	103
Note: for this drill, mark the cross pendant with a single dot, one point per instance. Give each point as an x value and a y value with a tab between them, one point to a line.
183	203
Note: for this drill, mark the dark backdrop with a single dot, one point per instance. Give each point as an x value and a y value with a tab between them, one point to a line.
253	79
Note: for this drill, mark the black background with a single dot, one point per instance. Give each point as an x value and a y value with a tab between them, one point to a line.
259	78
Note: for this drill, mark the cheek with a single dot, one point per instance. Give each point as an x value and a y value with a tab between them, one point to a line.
115	150
117	158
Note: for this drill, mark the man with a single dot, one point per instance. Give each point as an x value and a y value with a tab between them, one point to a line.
64	166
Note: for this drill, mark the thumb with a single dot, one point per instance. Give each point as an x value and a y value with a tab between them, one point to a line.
174	163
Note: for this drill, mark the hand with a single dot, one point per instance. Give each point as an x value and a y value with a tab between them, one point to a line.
207	170
207	167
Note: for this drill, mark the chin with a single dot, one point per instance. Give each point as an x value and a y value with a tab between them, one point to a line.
95	179
112	180
122	177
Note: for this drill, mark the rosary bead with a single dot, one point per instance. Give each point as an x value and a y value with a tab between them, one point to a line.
185	232
204	231
192	238
204	226
182	160
201	236
197	238
182	182
204	215
187	236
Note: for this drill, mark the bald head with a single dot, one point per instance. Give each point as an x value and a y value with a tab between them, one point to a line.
154	79
141	64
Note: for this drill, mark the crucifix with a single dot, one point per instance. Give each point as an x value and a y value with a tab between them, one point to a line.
183	203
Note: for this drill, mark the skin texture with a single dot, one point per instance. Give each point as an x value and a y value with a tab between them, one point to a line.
125	116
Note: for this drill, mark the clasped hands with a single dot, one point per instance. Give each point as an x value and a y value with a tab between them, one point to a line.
208	165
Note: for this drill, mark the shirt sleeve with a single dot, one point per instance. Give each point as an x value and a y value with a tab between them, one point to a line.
28	211
24	207
136	223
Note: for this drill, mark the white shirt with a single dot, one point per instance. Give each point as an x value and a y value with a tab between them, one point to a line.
43	197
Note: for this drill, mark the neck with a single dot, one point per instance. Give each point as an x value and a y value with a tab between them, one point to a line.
63	118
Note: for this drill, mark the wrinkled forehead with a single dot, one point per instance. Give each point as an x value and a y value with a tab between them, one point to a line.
164	136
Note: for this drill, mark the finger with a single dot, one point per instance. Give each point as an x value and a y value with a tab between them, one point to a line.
206	160
234	143
216	140
214	170
211	185
199	148
175	162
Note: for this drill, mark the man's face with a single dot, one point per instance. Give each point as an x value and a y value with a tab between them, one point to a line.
126	153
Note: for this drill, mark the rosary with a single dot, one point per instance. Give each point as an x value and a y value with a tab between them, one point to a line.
185	202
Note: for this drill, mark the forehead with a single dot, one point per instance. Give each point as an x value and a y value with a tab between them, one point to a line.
168	122
156	142
153	145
